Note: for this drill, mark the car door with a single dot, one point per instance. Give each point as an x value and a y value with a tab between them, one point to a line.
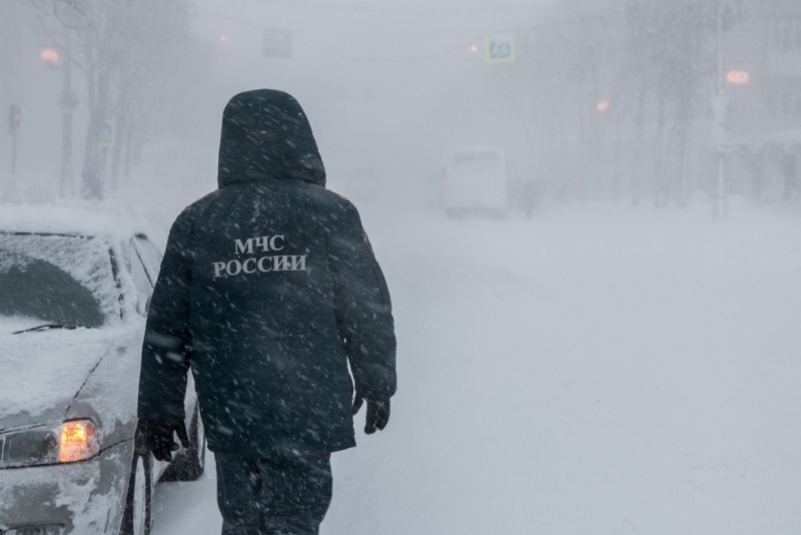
149	255
151	260
141	278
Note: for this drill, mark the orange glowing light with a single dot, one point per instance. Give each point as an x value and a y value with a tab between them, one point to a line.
474	48
78	442
49	56
738	77
603	105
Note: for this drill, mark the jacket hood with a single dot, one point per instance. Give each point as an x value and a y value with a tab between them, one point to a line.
265	134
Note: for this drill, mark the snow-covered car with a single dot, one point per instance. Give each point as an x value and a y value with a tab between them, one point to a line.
74	291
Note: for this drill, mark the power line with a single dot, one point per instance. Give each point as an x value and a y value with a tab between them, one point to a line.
399	10
329	52
610	14
575	22
415	59
411	59
236	20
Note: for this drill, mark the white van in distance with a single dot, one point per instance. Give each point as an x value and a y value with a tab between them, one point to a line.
476	183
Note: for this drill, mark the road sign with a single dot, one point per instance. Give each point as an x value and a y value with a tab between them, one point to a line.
501	48
277	43
108	136
14	118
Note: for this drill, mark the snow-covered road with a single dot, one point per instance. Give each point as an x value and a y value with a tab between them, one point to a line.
595	371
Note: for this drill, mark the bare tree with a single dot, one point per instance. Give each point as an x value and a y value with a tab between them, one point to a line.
672	53
126	51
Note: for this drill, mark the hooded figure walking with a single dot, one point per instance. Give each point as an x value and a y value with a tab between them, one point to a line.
269	292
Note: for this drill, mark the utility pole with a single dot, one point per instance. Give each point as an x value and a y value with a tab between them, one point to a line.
721	200
14	122
68	104
13	153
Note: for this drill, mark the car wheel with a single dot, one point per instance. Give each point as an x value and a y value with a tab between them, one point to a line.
191	464
136	519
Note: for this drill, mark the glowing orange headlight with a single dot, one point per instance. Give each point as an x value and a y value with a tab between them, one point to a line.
78	441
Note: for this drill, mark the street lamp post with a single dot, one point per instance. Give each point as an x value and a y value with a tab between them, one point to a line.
68	104
720	193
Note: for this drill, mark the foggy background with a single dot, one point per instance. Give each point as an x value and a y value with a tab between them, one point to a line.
604	99
624	361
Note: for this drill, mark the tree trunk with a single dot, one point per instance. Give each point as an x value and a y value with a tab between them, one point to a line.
121	141
659	159
639	134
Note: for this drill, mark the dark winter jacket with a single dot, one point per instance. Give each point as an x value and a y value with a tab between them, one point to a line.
267	291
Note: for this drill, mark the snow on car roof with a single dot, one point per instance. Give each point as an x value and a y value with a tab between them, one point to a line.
89	219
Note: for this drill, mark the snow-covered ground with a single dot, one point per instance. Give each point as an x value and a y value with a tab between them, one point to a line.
598	370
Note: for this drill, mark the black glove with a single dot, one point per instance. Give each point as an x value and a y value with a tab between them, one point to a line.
377	413
158	434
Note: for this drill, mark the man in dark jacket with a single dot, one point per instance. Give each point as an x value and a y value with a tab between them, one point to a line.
268	291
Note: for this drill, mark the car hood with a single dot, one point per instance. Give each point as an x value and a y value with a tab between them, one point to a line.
42	371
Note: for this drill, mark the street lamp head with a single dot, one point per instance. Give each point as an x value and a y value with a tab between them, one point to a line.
49	56
603	106
738	77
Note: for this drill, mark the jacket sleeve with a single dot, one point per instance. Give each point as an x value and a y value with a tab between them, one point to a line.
165	353
363	307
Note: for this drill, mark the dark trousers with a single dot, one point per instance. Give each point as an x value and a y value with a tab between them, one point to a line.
287	496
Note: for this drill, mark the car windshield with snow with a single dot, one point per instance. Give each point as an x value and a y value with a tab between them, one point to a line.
54	281
74	293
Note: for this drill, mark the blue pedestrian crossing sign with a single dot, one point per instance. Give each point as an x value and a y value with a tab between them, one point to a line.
501	48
